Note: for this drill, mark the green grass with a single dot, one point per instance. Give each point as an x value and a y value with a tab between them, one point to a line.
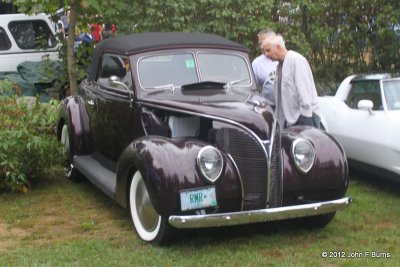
60	223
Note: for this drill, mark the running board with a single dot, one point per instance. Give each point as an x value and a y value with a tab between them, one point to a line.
99	175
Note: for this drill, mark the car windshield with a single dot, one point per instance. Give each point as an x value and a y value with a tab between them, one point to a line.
166	70
391	89
224	68
169	69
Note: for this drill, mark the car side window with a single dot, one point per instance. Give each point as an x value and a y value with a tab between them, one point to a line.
365	90
32	34
391	89
114	65
5	43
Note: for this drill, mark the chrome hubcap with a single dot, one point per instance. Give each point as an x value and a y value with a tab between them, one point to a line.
65	142
145	210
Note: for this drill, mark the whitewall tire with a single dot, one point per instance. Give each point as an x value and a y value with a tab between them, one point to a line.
149	225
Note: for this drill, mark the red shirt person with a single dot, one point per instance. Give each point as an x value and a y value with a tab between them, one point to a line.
96	32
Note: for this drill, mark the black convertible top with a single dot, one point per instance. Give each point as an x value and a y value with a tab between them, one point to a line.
141	42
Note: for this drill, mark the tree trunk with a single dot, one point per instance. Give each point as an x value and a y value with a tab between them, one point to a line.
73	84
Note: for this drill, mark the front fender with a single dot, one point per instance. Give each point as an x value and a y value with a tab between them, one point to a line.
168	165
73	112
328	178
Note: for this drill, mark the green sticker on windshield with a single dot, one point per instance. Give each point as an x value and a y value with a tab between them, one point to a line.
189	63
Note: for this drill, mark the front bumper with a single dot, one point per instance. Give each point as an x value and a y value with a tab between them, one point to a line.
257	216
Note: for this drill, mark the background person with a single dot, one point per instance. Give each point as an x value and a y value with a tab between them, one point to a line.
96	32
297	99
263	67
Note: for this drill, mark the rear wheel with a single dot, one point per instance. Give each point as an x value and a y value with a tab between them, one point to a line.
149	225
69	171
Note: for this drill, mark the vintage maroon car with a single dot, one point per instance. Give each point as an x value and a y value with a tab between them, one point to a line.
170	126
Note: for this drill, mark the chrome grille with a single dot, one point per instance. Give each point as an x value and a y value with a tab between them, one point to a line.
252	162
276	171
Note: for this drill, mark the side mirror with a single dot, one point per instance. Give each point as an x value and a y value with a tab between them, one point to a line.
366	105
114	80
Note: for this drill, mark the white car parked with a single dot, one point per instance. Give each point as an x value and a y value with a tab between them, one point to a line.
25	38
364	116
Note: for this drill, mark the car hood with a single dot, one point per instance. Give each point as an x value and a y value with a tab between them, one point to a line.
243	107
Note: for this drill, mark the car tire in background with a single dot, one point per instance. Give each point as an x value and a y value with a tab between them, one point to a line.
69	171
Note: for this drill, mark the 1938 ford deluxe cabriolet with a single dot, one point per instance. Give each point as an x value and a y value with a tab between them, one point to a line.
170	126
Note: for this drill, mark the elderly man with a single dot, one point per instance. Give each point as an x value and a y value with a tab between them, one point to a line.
295	92
263	67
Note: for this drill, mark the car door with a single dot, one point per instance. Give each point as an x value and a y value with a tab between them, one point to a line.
391	93
363	132
112	114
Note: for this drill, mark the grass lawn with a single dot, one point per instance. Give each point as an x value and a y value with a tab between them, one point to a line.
60	223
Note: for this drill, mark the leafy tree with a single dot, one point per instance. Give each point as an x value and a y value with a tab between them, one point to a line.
237	20
342	37
339	37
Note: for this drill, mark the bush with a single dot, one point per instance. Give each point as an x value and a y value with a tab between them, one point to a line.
28	146
7	87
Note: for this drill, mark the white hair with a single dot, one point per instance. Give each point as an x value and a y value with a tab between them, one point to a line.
266	33
277	40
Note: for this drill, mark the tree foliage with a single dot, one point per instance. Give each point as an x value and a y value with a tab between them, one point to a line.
344	37
339	37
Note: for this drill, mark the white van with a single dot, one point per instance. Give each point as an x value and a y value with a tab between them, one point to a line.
25	38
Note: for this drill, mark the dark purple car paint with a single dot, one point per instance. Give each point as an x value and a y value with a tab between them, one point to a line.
122	132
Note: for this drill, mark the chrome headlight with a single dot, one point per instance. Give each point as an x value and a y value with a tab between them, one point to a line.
210	163
303	154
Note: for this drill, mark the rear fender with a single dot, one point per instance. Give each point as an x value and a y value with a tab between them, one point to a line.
73	113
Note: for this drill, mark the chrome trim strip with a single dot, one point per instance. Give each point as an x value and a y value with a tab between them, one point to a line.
271	141
256	216
383	96
240	179
46	52
271	144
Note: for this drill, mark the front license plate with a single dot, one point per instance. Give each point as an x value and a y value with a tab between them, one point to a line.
198	198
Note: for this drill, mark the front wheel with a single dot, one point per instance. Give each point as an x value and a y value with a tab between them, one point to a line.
149	225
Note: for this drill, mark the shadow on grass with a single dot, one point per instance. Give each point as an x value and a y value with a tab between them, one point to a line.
231	235
378	182
238	234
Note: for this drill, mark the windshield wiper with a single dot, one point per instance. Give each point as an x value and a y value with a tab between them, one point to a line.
162	88
169	86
